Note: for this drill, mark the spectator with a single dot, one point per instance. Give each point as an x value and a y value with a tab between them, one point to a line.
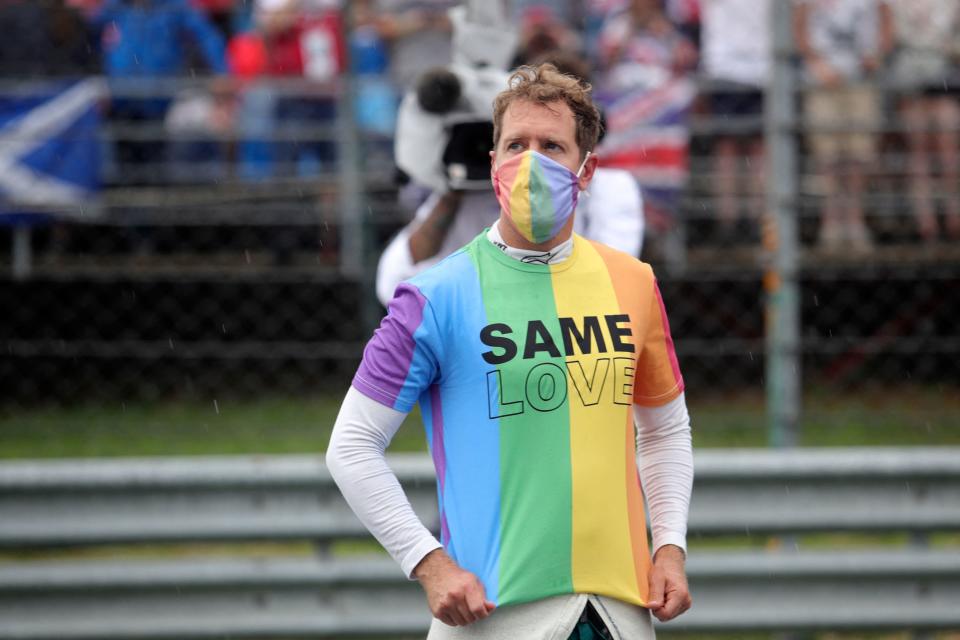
143	40
641	46
736	59
219	12
563	10
376	99
686	16
927	47
287	42
646	93
541	32
418	36
843	44
45	39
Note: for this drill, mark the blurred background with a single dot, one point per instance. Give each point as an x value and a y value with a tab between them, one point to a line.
195	195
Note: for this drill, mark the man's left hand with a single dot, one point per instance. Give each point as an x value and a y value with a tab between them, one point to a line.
669	593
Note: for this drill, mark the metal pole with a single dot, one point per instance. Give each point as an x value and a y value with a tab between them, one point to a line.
22	252
350	165
357	260
780	238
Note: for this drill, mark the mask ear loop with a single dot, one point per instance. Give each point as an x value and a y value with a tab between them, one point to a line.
580	171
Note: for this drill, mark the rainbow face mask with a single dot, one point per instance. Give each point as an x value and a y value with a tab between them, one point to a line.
539	194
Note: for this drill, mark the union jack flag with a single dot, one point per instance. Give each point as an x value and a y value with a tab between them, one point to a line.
647	135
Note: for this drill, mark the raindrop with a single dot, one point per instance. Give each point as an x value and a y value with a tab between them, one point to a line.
123	407
170	342
223	328
246	255
816	301
216	407
750	353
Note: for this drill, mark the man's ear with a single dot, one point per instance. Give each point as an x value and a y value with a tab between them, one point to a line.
589	166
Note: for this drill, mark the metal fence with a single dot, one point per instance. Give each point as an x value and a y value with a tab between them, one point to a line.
810	580
198	270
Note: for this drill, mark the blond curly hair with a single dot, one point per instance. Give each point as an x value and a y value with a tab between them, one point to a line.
544	84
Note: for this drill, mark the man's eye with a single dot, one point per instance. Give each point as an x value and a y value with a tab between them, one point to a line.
514	146
552	146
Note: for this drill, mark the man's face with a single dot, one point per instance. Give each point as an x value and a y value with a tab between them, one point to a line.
549	129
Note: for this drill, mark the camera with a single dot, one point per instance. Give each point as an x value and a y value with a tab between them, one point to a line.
445	122
445	127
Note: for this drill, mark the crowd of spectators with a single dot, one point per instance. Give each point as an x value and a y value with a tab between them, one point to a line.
872	69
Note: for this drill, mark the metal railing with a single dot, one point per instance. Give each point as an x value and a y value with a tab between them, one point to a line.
791	584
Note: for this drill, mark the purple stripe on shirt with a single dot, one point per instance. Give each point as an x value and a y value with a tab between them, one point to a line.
387	357
439	457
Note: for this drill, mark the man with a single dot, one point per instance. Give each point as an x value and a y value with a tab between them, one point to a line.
532	352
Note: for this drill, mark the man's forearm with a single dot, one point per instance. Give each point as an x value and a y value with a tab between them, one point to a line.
666	469
426	240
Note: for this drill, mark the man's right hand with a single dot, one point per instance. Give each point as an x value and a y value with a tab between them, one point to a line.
456	597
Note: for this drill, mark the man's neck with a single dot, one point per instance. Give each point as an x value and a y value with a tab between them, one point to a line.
556	254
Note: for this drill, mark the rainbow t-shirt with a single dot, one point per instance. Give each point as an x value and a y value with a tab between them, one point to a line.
526	374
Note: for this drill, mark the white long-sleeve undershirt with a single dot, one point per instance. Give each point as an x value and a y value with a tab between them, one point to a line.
357	462
355	458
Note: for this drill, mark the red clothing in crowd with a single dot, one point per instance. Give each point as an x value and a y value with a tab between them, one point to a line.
313	47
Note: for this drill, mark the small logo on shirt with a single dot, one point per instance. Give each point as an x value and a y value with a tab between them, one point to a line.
543	258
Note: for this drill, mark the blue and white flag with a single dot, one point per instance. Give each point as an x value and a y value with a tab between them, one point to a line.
49	149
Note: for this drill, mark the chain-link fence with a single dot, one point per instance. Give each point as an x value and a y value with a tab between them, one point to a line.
240	260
